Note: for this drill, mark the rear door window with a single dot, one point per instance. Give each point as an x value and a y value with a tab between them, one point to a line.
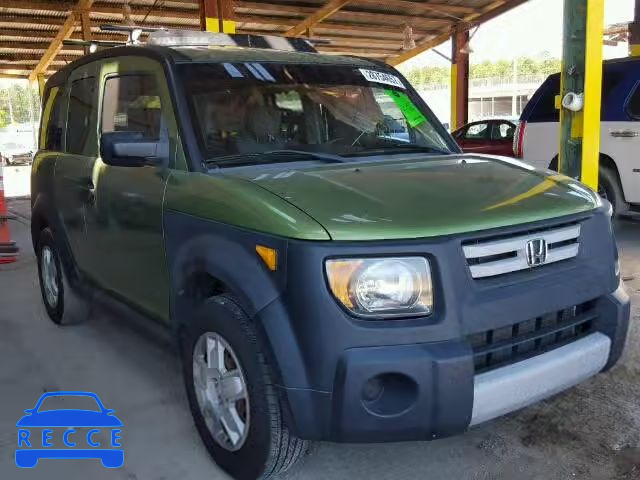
80	120
545	109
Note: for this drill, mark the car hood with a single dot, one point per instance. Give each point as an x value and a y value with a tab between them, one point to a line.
426	197
69	418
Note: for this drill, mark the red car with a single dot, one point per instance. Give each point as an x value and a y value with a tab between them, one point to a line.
487	136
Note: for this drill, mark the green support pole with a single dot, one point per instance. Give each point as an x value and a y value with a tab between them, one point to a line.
572	80
634	33
579	155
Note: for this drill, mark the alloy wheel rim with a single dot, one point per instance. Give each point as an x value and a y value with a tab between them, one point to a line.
221	391
49	271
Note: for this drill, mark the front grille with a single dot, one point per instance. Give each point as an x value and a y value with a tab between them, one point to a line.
506	345
508	253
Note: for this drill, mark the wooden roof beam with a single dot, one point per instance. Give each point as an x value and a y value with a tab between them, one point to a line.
16	76
27	22
34	56
11	68
65	32
37	45
485	14
331	7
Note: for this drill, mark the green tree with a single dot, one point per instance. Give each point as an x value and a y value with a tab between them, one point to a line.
19	102
546	65
4	118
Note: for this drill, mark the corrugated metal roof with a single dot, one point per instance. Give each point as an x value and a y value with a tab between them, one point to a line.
362	27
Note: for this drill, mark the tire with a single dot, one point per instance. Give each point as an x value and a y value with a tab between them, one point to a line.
610	189
263	446
50	276
64	306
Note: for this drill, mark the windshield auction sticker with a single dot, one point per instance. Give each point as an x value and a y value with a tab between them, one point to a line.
381	77
412	113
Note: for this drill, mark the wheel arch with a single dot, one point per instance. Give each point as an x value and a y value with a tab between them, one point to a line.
207	258
44	215
39	220
605	162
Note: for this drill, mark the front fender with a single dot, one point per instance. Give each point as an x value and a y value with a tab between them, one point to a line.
228	254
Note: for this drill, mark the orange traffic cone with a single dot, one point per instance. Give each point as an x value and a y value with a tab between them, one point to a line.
8	248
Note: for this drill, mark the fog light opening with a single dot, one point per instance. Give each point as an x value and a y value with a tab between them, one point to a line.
389	394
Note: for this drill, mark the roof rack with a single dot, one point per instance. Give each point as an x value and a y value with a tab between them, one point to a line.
134	31
191	38
93	44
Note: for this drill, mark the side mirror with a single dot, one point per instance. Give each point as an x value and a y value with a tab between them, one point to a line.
129	149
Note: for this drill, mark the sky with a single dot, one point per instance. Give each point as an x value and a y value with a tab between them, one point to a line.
528	30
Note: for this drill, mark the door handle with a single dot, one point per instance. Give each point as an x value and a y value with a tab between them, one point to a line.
624	134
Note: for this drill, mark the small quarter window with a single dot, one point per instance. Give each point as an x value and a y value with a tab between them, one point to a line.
633	106
131	103
52	121
80	137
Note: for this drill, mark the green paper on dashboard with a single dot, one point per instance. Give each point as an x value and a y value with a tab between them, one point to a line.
411	113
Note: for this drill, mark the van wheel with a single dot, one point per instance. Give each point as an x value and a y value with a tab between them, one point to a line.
610	189
63	306
234	403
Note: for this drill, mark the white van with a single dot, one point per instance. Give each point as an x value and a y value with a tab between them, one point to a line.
536	139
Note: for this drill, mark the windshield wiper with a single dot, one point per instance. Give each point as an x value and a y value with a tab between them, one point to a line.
273	156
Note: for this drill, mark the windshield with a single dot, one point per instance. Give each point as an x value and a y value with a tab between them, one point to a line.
69	402
255	108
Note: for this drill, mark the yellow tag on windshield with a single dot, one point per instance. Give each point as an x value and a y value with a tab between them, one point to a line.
411	113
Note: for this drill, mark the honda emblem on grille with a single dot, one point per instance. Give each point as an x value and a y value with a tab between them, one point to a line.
536	252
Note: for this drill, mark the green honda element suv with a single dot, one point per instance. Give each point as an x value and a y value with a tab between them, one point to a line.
330	264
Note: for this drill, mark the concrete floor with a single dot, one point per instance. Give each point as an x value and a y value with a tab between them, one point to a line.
592	431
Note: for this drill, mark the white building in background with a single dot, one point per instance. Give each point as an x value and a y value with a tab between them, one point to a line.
23	134
488	97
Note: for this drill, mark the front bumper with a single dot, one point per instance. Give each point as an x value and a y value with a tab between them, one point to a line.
441	395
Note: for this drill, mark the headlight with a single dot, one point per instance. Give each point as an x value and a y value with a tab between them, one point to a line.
382	287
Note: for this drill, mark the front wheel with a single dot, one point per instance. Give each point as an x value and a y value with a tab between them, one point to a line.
234	403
